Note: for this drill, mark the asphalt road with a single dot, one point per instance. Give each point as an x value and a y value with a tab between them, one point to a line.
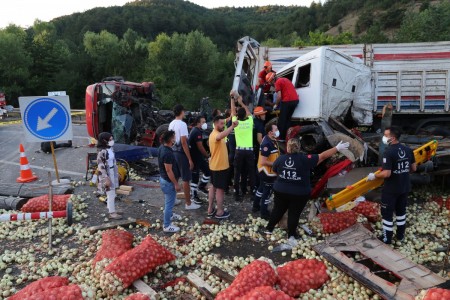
71	161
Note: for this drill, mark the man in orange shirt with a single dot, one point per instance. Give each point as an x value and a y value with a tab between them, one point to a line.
219	166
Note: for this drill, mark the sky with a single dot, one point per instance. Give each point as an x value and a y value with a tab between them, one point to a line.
24	12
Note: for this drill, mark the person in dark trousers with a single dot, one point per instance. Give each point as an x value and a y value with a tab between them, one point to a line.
292	187
182	154
287	101
259	131
46	148
398	163
168	180
231	146
244	160
199	157
268	153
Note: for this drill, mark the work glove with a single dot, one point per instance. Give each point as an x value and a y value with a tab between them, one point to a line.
371	177
342	146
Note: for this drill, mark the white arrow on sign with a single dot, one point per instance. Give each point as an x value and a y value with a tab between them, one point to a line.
43	123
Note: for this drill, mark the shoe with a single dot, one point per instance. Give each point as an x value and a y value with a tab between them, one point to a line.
115	216
381	238
196	200
255	209
225	215
213	213
171	229
268	232
175	217
265	217
292	241
203	190
119	211
177	201
192	206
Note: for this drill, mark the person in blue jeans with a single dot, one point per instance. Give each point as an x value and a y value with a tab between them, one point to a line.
168	180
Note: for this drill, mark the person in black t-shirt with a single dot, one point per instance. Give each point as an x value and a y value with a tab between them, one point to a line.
292	187
199	157
168	180
398	162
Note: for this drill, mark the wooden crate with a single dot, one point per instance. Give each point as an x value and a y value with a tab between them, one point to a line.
413	277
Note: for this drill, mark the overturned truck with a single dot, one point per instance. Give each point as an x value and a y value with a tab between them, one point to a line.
126	109
352	83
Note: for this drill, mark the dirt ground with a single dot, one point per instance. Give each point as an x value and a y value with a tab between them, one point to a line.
145	203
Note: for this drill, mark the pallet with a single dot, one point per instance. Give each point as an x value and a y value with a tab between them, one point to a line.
222	274
122	192
126	188
145	289
129	221
204	288
413	277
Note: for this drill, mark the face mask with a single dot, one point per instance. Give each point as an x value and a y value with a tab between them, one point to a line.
385	140
111	143
277	134
204	126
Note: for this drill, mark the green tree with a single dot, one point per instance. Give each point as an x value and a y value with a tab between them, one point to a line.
186	68
104	49
49	54
431	24
15	62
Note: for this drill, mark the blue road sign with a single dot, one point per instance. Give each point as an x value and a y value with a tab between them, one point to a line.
46	118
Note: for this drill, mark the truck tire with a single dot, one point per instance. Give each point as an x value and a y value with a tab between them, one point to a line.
436	130
159	131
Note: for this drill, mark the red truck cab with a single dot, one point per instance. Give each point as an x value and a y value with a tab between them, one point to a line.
123	108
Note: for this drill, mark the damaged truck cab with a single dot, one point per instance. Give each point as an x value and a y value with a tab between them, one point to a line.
126	109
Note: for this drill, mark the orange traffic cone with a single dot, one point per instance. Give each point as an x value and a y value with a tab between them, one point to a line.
25	171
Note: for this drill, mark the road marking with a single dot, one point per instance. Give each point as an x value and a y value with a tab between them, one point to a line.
44	168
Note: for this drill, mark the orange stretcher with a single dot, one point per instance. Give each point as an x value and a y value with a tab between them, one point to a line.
351	192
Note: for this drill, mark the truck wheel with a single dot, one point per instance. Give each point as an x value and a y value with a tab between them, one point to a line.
436	130
159	131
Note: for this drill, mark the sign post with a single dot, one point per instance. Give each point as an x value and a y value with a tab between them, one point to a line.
46	119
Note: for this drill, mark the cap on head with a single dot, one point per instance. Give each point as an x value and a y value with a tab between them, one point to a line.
267	64
259	110
270	77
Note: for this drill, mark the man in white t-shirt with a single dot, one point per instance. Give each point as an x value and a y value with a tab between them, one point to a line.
182	153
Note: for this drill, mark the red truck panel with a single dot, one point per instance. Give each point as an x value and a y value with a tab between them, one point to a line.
91	111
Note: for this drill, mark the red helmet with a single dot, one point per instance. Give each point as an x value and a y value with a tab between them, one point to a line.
270	77
267	65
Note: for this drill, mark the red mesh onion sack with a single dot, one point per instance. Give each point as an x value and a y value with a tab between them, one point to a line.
134	264
437	294
39	286
138	296
336	221
256	274
115	242
299	276
370	210
266	293
40	203
69	292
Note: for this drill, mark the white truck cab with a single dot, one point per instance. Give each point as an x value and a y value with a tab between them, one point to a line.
329	84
